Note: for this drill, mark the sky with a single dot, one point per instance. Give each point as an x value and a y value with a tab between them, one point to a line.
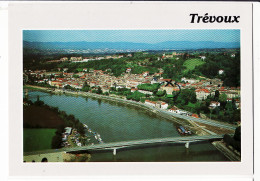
136	36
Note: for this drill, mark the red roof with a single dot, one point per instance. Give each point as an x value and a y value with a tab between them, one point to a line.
202	90
195	115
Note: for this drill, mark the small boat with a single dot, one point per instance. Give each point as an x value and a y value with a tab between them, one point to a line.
184	131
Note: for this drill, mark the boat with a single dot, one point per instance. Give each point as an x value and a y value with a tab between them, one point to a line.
183	131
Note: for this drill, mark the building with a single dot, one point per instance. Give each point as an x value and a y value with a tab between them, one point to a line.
150	103
202	94
145	73
128	70
175	110
214	104
221	71
68	130
164	105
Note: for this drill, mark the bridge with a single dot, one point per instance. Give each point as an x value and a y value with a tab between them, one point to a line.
114	146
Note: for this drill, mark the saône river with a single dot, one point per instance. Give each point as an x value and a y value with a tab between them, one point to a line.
118	122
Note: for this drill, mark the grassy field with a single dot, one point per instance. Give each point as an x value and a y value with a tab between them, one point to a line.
190	64
37	139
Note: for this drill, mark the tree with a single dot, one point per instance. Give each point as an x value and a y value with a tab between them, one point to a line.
99	91
85	87
161	93
39	102
216	95
197	107
237	135
223	97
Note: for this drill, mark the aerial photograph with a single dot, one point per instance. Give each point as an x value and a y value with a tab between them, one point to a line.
131	95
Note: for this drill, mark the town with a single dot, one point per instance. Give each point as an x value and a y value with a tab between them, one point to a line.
205	97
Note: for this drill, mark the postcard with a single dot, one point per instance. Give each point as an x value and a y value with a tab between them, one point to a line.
130	88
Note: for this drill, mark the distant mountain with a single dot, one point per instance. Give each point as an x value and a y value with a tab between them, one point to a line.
130	46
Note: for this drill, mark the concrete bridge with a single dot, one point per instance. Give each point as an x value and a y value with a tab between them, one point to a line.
144	143
114	146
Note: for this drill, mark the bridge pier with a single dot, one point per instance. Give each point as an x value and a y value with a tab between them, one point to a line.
114	151
187	144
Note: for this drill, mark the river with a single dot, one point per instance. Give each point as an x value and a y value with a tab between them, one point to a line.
118	122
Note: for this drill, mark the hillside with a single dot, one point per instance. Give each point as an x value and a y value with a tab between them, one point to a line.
130	45
190	64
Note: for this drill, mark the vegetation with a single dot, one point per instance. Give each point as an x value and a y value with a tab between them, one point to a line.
191	64
136	96
230	65
149	87
234	141
37	139
61	121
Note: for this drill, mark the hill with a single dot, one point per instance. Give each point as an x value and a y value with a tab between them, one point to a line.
190	64
177	45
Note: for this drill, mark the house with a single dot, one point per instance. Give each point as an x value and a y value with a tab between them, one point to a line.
164	105
128	70
195	115
145	73
191	81
55	83
202	94
154	80
221	71
64	137
68	130
175	110
161	104
203	57
168	85
134	89
150	103
214	104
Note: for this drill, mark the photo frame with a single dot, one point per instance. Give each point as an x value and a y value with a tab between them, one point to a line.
99	17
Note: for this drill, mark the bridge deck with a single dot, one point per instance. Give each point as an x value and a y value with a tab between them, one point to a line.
123	144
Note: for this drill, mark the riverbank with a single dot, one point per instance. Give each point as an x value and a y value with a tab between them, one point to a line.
228	151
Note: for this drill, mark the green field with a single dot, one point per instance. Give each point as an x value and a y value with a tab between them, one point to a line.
37	139
190	64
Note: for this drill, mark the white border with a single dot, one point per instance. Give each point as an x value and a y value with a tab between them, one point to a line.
133	15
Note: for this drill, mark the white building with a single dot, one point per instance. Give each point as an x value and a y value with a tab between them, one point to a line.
150	103
202	94
164	105
214	104
221	71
